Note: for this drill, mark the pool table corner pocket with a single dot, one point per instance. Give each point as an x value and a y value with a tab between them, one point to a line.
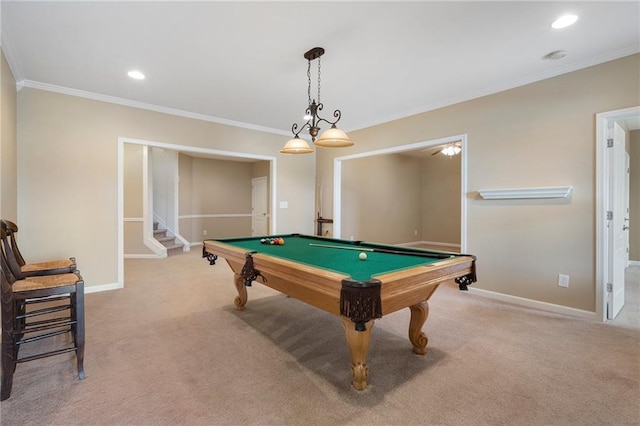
360	301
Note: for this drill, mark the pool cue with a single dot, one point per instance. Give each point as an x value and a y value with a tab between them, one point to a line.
341	247
377	250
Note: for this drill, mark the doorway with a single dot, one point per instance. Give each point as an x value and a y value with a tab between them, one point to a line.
611	259
145	221
338	208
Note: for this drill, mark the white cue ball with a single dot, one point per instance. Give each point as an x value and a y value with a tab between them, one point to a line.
363	256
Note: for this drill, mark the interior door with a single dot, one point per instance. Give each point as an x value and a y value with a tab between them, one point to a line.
618	234
259	208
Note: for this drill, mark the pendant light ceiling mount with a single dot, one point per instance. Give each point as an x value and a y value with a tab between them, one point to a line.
314	53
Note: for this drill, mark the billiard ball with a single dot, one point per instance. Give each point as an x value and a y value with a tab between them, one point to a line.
363	256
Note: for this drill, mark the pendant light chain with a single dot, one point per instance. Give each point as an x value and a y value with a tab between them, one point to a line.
309	80
319	79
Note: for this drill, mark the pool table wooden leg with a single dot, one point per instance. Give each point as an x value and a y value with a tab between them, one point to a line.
242	297
419	315
358	342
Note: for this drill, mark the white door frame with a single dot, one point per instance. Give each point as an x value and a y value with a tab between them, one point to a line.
627	194
603	121
337	179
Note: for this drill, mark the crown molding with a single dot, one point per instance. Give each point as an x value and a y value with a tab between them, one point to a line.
141	105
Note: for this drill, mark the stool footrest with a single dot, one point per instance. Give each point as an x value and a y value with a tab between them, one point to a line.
46	299
42	336
46	354
43	311
50	323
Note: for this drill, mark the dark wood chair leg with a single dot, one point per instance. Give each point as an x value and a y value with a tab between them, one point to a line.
78	309
8	368
9	352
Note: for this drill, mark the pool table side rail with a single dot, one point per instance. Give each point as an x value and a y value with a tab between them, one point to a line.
404	288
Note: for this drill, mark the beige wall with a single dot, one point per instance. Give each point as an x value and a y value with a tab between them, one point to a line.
441	186
634	196
132	201
415	199
260	169
219	190
8	141
381	199
68	173
541	134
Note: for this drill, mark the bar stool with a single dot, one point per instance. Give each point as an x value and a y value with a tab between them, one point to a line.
62	296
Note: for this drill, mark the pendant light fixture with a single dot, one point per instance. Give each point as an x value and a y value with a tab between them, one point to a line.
332	137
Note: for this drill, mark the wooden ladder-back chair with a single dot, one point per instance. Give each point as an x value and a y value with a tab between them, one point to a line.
21	269
60	309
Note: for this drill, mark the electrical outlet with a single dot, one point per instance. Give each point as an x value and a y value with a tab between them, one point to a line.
204	232
415	232
563	280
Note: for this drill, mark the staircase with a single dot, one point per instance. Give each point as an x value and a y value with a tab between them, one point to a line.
173	246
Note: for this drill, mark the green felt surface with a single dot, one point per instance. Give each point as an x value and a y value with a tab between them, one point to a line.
298	249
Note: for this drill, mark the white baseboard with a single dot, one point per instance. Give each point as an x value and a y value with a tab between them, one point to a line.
196	244
430	243
535	304
103	287
144	256
435	243
634	263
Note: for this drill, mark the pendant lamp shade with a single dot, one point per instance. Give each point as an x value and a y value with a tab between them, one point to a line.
296	146
334	138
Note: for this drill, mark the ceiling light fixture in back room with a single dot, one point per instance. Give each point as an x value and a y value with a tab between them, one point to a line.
333	137
451	150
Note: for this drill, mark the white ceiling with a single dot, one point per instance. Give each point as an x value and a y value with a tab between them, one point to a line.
242	62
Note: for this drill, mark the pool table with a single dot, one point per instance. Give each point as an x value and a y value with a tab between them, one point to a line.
329	274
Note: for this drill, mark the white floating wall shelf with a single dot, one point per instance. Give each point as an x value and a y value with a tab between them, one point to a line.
520	193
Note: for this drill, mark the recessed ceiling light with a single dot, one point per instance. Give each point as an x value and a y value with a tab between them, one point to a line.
564	21
555	55
136	74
